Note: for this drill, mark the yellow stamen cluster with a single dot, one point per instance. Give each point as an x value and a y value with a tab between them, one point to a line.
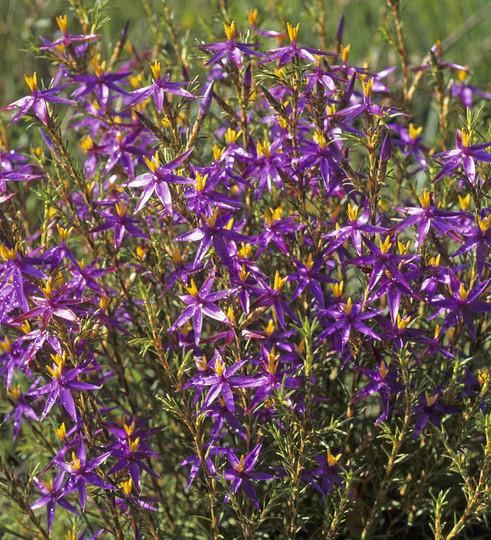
48	289
240	466
414	132
292	32
320	140
212	220
252	16
48	485
347	307
64	233
32	82
464	201
403	249
402	322
135	80
332	460
133	445
273	360
75	462
276	215
263	148
127	486
337	289
61	432
8	254
484	223
483	376
279	281
98	66
425	200
200	181
154	164
270	328
129	429
219	366
121	209
87	144
244	252
430	400
155	67
462	292
436	335
243	275
345	52
192	290
140	252
309	262
217	152
15	392
229	30
462	74
352	212
385	245
60	364
201	363
62	22
383	369
466	137
435	261
6	345
439	50
231	136
367	87
176	256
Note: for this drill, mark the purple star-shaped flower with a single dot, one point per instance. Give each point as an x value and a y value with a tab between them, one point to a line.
242	473
465	154
62	384
201	302
158	178
81	473
37	100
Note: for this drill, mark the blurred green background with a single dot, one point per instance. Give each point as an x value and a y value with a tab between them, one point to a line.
462	26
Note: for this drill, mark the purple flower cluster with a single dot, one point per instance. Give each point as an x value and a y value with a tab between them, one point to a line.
270	221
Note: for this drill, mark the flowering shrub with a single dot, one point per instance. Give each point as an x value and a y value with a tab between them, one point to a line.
251	300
